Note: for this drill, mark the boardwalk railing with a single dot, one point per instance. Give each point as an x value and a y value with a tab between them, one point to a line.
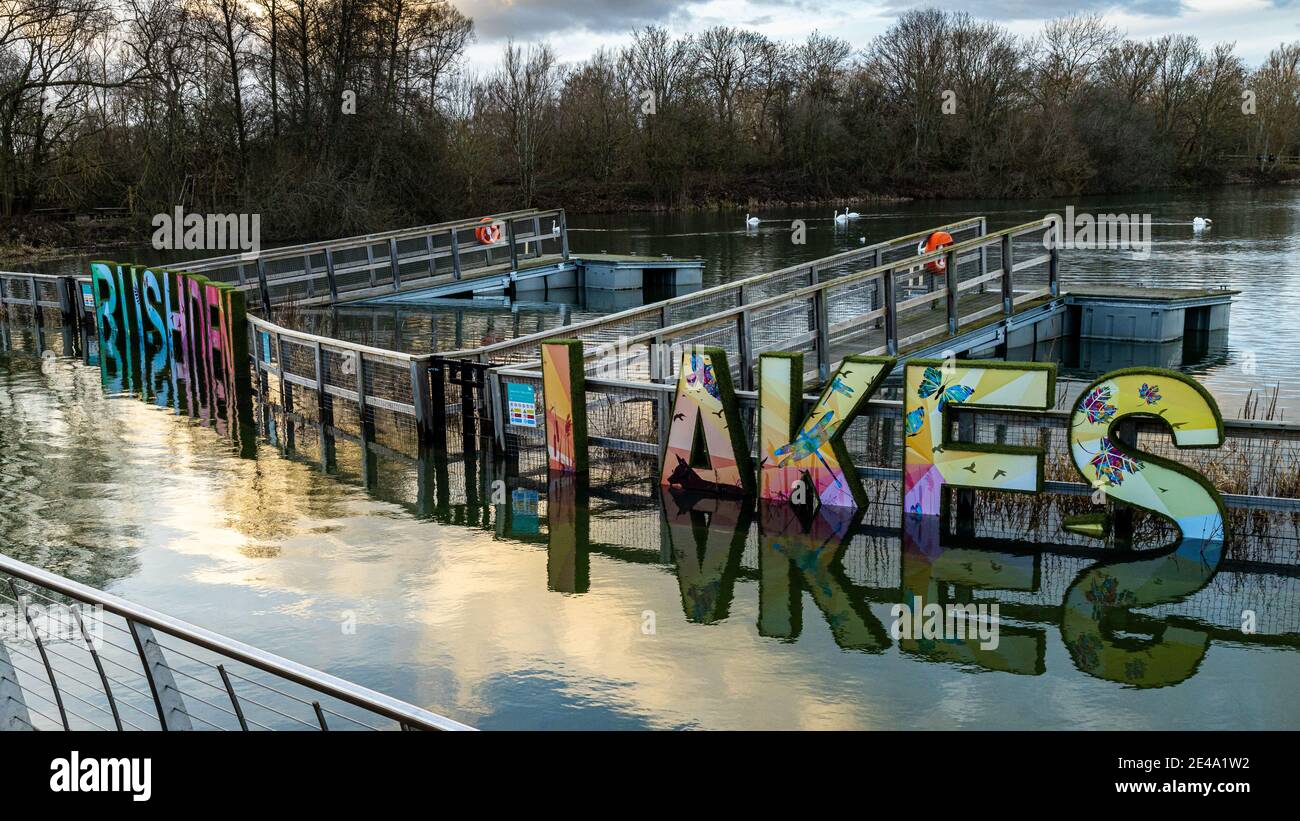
85	659
890	308
49	305
368	385
411	397
733	297
388	262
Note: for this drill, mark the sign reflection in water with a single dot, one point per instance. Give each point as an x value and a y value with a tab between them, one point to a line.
176	340
704	539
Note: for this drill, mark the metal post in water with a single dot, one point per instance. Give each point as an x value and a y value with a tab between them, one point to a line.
514	251
395	264
1054	261
329	274
455	255
746	348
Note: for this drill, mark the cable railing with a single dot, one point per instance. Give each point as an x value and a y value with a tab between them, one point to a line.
76	658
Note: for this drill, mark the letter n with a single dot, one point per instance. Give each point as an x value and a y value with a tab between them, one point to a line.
707	450
813	451
564	393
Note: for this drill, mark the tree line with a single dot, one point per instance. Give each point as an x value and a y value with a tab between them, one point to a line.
334	116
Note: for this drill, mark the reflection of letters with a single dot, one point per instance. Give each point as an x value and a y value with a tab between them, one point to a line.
792	557
929	568
568	524
1099	600
707	537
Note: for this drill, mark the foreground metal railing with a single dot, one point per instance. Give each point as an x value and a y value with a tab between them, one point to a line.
73	657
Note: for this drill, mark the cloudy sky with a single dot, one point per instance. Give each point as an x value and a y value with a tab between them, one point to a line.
576	28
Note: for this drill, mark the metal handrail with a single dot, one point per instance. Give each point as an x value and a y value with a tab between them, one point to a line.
482	352
726	315
344	243
407	715
267	326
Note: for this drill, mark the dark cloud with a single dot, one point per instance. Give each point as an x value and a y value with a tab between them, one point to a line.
1039	10
528	19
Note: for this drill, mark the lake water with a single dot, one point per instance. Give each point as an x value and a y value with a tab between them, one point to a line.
524	612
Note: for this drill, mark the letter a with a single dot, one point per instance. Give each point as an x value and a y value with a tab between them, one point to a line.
707	450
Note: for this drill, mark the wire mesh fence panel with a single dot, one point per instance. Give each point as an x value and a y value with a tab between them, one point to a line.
706	305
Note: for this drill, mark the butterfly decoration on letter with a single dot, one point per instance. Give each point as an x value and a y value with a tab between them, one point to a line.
1150	393
932	385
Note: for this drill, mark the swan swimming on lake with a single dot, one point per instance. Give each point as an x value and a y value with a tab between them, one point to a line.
851	214
1201	223
751	221
841	218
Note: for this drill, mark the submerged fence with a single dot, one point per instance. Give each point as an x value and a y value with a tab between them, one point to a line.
47	308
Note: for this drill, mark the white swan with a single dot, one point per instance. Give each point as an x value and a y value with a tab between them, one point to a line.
1201	223
851	214
751	221
841	218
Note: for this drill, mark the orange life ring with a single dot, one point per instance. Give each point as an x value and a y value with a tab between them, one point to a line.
933	243
488	234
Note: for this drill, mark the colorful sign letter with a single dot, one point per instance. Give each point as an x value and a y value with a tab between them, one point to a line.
933	460
811	453
564	390
1118	470
707	450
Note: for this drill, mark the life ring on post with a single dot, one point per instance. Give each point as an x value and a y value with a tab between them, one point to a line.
488	233
932	243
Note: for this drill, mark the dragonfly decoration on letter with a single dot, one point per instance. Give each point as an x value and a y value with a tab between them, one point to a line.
809	443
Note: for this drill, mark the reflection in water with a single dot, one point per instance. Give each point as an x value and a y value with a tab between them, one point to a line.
799	552
524	608
567	560
706	537
1098	609
930	571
